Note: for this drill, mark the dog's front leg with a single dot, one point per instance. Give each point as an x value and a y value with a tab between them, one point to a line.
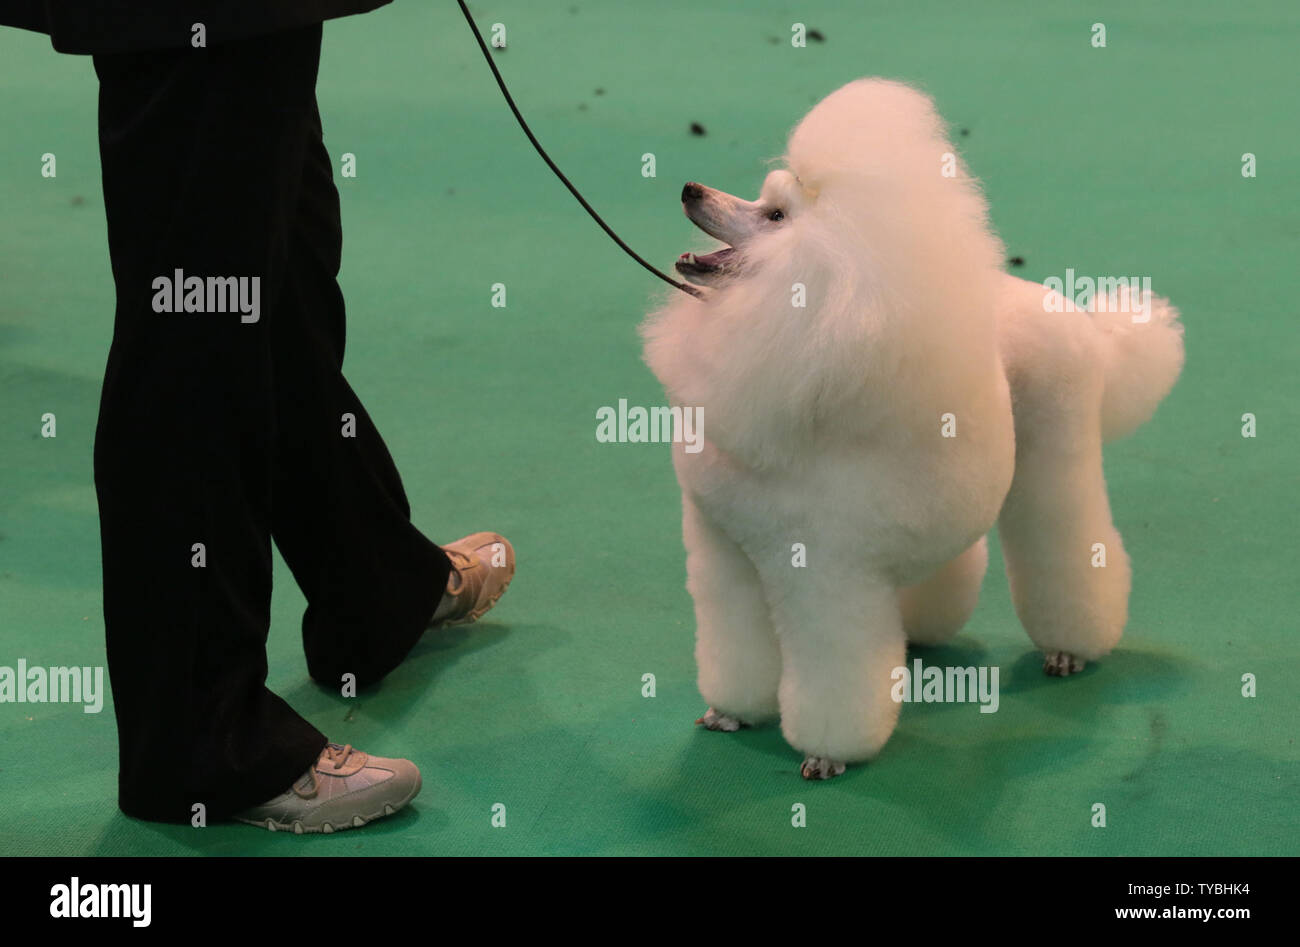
735	644
841	636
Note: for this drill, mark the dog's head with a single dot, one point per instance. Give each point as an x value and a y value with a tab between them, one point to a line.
869	174
737	223
868	250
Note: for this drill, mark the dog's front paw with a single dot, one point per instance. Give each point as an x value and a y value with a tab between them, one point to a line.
712	720
818	767
1062	664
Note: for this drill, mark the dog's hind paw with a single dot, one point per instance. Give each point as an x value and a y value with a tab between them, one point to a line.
712	720
1062	664
818	767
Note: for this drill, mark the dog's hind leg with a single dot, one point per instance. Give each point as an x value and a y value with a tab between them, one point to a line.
936	609
1066	564
735	644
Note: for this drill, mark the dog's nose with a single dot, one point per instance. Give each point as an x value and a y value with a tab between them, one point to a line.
692	192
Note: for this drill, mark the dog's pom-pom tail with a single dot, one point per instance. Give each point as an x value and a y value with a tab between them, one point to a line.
1143	345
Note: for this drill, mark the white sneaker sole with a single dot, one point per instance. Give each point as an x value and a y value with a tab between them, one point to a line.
328	827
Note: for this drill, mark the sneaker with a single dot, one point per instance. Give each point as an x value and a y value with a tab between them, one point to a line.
344	789
482	566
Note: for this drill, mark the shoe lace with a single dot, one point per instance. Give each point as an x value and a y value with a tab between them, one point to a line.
333	753
460	563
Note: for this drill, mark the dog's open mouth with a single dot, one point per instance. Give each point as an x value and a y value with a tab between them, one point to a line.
705	264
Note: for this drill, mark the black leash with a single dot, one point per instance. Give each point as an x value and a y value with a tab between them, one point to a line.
558	173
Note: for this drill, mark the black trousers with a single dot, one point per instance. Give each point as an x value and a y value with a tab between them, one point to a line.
218	433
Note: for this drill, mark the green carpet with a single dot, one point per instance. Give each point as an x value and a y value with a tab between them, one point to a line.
1123	160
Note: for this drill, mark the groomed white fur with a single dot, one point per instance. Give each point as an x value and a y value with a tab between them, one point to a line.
823	427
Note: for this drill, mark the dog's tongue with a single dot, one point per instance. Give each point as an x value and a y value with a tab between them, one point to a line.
707	261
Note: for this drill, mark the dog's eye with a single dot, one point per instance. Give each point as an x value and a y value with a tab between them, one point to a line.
776	215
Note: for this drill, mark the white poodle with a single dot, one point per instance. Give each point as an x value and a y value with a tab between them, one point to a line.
874	394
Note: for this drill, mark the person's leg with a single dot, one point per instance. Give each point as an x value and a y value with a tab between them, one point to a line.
340	516
202	152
